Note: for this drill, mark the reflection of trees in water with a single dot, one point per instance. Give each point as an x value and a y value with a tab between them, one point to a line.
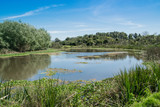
18	68
137	56
118	56
91	50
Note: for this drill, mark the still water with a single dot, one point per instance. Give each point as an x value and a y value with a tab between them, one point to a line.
33	67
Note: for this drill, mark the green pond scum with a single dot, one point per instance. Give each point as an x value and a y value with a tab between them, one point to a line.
81	62
53	71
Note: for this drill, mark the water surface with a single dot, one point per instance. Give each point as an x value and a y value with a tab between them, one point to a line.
32	67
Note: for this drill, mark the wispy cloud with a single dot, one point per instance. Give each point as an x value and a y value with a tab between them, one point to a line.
81	25
132	24
104	7
62	34
32	12
80	30
100	9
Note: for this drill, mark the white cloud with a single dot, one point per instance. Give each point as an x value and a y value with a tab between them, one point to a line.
130	23
32	12
73	31
62	34
81	25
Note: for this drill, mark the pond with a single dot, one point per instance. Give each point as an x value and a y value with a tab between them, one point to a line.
73	65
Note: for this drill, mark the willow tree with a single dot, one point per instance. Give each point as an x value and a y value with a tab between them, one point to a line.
22	37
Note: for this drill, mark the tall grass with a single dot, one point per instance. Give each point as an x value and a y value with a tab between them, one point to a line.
51	92
45	93
134	83
5	91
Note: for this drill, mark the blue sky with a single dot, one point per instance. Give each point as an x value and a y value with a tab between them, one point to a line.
69	18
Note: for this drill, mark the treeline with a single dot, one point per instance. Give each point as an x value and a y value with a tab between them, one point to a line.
22	37
111	40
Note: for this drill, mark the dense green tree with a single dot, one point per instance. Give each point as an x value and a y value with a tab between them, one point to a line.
114	40
135	36
57	40
22	37
130	37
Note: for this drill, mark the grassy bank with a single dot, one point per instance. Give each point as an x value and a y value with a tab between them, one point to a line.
52	51
122	90
98	48
48	51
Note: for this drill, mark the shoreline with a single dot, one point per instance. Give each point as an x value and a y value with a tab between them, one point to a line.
53	51
48	51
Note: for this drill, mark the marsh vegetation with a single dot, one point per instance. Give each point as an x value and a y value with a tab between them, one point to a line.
133	86
80	76
123	89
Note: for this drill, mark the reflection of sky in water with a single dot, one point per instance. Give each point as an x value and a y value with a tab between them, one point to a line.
95	69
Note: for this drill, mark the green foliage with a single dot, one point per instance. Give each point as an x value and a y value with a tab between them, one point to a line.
132	84
52	92
22	37
153	53
151	101
13	53
113	40
56	45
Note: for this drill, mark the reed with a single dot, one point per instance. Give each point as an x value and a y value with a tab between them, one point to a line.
134	83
